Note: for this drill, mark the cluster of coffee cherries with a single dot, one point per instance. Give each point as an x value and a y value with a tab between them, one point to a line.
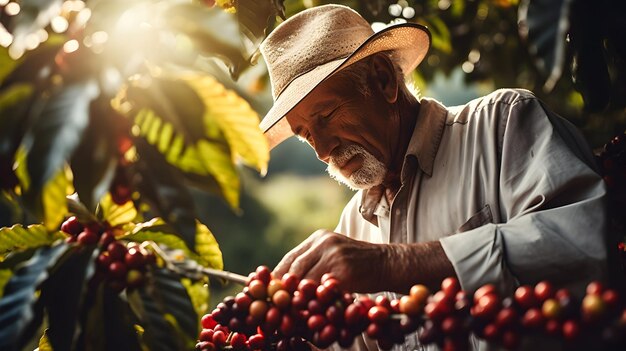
120	264
292	314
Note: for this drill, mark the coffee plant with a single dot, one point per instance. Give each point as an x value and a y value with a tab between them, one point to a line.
109	111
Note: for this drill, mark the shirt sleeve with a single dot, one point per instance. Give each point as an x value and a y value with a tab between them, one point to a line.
552	203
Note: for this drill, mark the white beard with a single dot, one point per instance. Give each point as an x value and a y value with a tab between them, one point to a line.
371	173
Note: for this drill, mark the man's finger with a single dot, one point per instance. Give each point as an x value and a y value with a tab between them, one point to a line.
285	264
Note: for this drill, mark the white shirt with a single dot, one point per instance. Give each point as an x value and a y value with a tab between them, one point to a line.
506	186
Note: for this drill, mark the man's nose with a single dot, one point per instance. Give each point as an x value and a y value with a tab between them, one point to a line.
324	144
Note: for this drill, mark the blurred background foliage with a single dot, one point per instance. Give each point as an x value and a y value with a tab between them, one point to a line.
571	53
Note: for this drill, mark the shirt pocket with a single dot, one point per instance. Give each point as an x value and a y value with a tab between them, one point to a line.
480	218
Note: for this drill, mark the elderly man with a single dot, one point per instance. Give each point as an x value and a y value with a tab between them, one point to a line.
500	190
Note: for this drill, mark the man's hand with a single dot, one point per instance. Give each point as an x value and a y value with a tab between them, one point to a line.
359	266
365	267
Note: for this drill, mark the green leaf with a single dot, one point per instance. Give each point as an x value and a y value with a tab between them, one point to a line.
16	306
115	214
5	275
257	17
35	66
7	64
94	160
206	252
165	304
44	343
174	300
119	321
160	185
188	140
54	200
18	237
211	31
58	130
440	34
14	104
75	207
176	104
237	120
199	294
63	294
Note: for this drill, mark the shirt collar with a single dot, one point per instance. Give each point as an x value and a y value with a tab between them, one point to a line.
423	146
426	137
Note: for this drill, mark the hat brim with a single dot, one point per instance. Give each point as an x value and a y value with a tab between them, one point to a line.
409	41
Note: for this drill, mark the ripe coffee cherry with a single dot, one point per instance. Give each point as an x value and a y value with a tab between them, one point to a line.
533	319
595	288
273	286
206	335
525	296
506	317
104	260
290	282
383	301
316	322
553	327
87	238
243	300
450	286
134	258
72	226
374	331
484	290
256	342
378	314
307	288
611	298
571	330
491	332
544	291
287	326
451	325
257	289
593	308
117	251
219	338
281	299
327	336
487	306
106	239
315	307
238	341
334	314
420	293
355	314
117	270
258	309
324	294
298	301
273	316
208	322
551	309
410	306
264	274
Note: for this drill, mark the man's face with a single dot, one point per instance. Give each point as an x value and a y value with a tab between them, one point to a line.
347	131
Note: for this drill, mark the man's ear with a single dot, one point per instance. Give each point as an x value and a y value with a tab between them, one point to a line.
384	77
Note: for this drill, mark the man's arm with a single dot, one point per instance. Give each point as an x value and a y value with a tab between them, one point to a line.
552	204
365	267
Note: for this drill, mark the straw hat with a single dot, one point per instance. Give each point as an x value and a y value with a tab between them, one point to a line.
316	43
